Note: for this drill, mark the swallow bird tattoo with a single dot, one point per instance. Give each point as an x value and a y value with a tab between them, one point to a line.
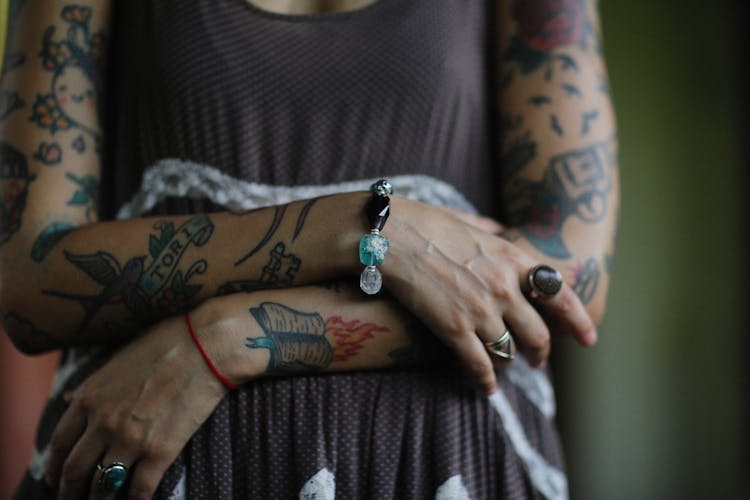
121	285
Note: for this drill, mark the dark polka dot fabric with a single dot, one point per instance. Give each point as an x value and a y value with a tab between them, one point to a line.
399	87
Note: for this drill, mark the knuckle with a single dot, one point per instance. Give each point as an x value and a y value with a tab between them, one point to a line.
512	255
86	399
483	311
155	450
72	470
566	301
106	424
130	433
541	340
457	329
503	294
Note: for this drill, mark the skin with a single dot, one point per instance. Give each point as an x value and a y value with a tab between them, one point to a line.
446	269
310	6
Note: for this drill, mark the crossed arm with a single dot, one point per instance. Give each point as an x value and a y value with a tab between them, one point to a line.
68	278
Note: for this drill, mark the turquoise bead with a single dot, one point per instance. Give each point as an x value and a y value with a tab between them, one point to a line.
372	249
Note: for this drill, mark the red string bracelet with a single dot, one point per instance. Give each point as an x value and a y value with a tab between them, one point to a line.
221	377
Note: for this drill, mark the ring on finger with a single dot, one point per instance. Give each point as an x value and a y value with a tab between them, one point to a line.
504	346
112	476
545	281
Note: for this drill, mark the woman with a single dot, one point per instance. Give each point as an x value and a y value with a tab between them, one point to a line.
212	108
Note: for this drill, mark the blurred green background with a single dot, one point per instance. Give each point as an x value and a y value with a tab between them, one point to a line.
658	409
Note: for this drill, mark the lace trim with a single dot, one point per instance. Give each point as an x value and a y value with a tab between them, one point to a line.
546	478
178	178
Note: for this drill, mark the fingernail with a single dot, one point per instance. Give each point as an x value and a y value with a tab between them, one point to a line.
592	337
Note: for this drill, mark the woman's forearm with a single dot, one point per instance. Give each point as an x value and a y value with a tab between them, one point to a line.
66	277
108	279
560	186
311	329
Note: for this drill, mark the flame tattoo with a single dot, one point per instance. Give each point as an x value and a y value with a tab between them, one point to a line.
348	337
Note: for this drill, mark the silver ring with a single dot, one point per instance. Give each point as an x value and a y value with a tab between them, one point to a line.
111	477
504	346
545	281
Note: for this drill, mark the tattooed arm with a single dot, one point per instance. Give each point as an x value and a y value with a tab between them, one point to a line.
81	280
558	145
78	279
145	403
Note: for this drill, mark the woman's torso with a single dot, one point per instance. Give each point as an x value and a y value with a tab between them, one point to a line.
396	87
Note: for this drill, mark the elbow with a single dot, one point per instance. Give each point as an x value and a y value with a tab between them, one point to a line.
18	324
25	336
30	345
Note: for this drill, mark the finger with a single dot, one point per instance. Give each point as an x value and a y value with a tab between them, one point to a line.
564	308
488	338
569	312
147	475
112	475
80	465
156	459
530	330
475	359
66	434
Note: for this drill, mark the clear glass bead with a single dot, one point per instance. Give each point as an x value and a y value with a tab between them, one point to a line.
370	281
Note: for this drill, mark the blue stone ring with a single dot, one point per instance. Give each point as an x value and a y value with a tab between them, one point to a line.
111	477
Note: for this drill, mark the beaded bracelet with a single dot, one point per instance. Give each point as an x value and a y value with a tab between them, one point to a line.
374	246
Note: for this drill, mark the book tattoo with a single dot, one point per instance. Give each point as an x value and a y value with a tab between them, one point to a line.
304	341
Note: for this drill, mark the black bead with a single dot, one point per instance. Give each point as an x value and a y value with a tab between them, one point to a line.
378	209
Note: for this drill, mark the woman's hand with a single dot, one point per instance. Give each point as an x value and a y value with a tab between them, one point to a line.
468	285
139	409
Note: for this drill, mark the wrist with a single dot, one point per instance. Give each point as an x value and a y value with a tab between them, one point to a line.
346	223
221	325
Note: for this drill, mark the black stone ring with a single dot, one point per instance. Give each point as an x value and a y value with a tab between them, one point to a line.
545	281
111	477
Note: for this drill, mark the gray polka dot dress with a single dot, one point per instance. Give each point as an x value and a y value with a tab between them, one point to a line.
252	98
